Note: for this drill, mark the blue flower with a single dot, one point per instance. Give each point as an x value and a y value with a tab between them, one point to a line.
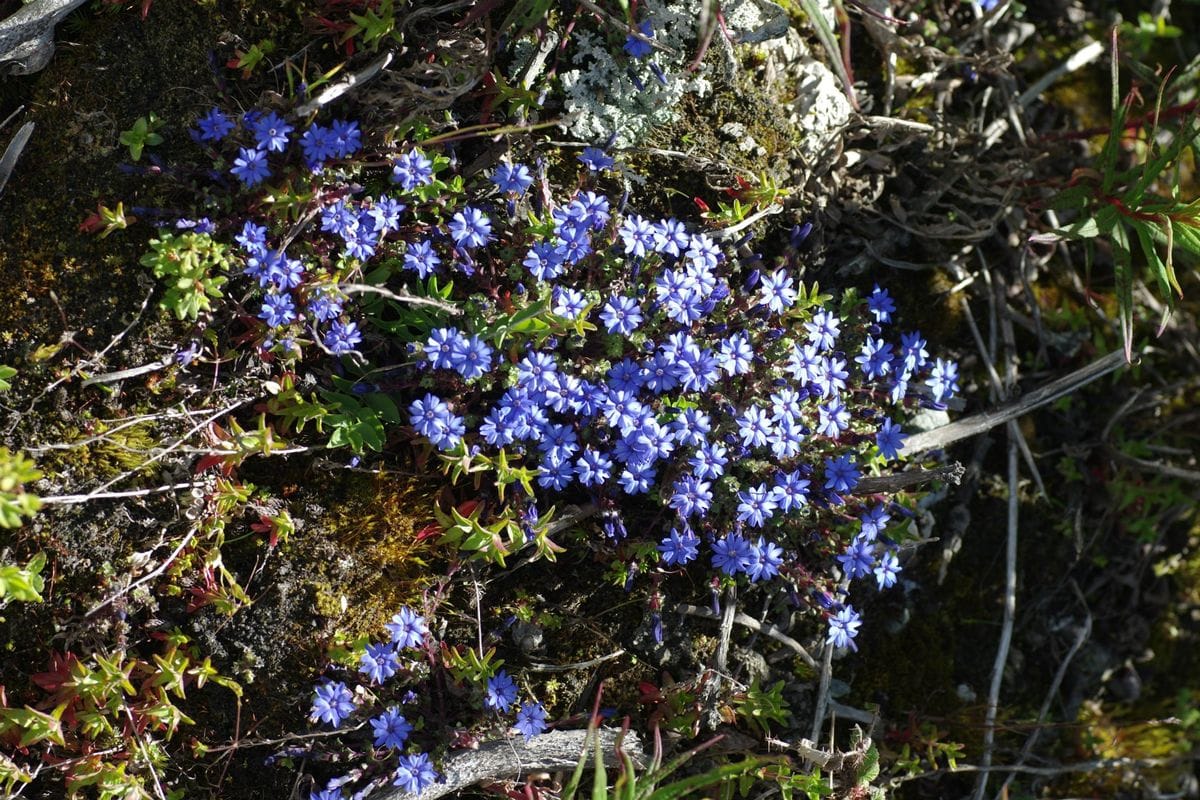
731	554
593	467
332	703
531	720
414	773
943	379
514	178
881	305
873	521
419	257
791	491
278	310
471	357
346	136
385	214
637	48
407	627
841	474
250	166
833	418
253	238
857	559
328	793
691	496
213	126
766	558
754	426
778	292
412	170
843	627
391	729
756	505
621	315
679	548
823	330
501	692
890	439
638	235
470	227
887	570
595	159
568	303
270	132
912	351
318	144
379	662
875	358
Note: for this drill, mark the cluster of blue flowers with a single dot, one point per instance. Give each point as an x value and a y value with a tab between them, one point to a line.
669	369
746	405
334	702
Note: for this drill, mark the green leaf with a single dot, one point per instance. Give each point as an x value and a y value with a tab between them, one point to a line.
6	372
1123	275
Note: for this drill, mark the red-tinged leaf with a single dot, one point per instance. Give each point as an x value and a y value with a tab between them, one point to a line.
146	8
209	461
700	204
92	224
430	531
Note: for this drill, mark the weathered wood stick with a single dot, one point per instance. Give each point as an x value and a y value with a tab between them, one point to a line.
494	761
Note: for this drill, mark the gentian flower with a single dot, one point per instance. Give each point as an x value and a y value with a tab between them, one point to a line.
857	559
823	330
213	126
765	560
756	505
778	291
470	227
890	439
379	662
943	380
412	170
887	570
419	257
407	627
250	167
637	48
512	178
270	132
391	729
841	474
621	315
501	692
843	627
595	159
731	554
278	310
531	720
332	703
881	305
679	548
414	773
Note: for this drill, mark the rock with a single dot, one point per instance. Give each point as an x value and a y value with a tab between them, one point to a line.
27	36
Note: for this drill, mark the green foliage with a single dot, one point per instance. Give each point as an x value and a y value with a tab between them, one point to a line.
1123	205
467	666
630	785
141	135
248	60
6	372
23	583
1148	29
497	539
375	26
760	707
15	502
192	265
